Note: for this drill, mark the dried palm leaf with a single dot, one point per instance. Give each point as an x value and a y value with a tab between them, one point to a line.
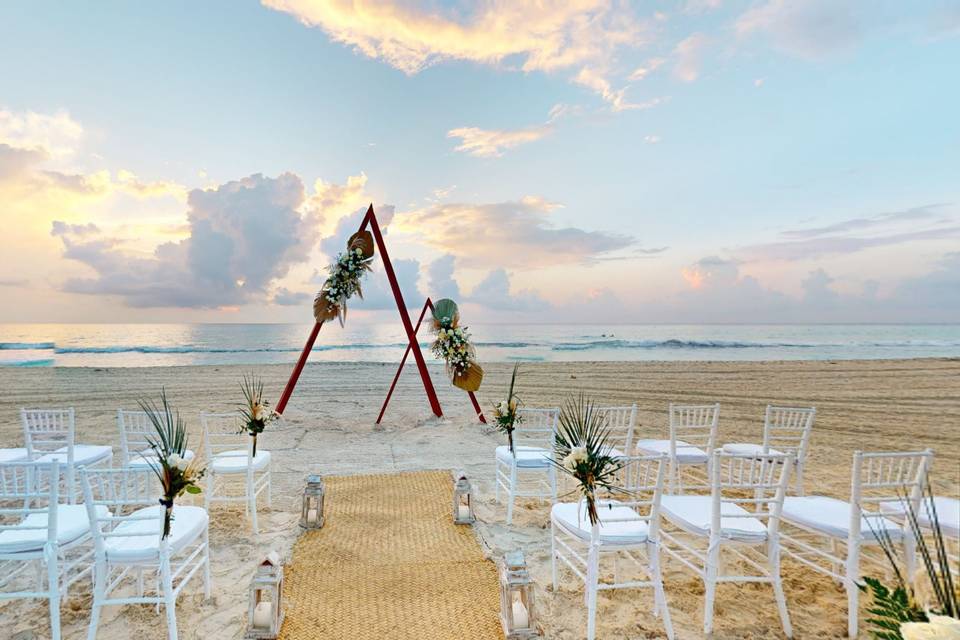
445	308
362	240
469	379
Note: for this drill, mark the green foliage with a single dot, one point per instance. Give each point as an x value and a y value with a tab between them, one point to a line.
889	609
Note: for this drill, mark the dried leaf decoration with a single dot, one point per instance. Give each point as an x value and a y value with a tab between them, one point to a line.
470	379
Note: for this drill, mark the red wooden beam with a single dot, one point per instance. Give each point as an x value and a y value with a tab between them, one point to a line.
292	382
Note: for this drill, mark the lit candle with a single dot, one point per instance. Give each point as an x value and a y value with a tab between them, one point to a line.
520	618
263	615
311	515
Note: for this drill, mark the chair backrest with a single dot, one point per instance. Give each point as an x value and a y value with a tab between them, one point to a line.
621	425
537	427
787	429
695	424
47	430
27	488
121	491
884	478
135	429
756	483
223	435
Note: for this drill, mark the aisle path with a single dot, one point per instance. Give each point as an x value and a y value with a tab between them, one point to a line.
390	563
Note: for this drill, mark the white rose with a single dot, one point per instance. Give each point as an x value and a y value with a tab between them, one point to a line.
174	460
574	458
182	464
939	628
502	406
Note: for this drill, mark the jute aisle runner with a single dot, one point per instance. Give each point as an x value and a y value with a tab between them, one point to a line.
389	564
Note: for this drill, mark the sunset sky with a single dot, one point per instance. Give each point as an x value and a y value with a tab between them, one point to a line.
698	161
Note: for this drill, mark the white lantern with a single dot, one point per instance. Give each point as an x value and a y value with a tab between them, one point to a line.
462	501
265	615
517	614
311	513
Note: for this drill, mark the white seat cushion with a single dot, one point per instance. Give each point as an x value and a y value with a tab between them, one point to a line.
686	453
12	455
692	514
83	454
628	529
72	523
832	517
236	461
146	458
188	523
527	457
948	513
616	453
748	449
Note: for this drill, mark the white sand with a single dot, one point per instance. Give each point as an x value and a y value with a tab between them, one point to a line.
329	429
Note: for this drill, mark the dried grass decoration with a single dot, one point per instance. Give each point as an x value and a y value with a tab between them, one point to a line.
505	412
452	345
581	450
344	278
255	411
177	474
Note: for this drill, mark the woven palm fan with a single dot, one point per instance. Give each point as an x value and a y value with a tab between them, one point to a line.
362	240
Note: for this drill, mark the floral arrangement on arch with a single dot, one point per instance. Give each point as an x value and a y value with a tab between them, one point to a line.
176	472
452	345
505	413
255	411
344	279
581	450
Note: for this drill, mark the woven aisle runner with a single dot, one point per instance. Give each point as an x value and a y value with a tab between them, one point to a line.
389	564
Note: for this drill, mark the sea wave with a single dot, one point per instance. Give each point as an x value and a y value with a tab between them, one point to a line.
9	346
45	362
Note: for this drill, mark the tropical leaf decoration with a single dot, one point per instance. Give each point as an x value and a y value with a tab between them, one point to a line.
344	279
505	412
581	450
452	345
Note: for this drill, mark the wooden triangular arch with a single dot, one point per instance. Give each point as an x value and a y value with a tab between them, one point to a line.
412	345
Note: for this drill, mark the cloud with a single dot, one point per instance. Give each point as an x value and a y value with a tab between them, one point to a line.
59	228
243	235
651	139
856	234
440	281
493	292
687	57
548	36
646	69
54	135
286	298
484	143
511	234
377	293
810	29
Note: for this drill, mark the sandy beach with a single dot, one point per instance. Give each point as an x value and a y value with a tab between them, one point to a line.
329	428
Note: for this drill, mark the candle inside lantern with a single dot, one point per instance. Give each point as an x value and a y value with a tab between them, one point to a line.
521	619
263	615
463	512
311	515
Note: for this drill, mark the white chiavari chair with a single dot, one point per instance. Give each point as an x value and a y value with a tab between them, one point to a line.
692	436
785	430
530	461
136	431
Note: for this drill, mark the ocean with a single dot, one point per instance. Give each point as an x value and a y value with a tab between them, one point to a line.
150	345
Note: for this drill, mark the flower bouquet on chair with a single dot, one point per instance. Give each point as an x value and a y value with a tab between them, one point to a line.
255	411
452	345
505	411
581	450
177	474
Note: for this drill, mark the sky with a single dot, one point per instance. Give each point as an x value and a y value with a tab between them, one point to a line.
551	161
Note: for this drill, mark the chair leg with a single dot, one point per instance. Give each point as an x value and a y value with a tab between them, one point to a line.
853	593
909	552
553	555
553	484
99	587
169	600
799	476
774	556
269	488
206	563
496	480
513	490
53	589
659	595
208	494
593	571
710	585
252	506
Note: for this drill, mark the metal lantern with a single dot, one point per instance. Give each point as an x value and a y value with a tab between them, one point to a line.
462	502
311	515
265	615
517	614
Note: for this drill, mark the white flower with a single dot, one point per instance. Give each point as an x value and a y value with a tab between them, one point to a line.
258	411
574	458
939	628
502	407
173	460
